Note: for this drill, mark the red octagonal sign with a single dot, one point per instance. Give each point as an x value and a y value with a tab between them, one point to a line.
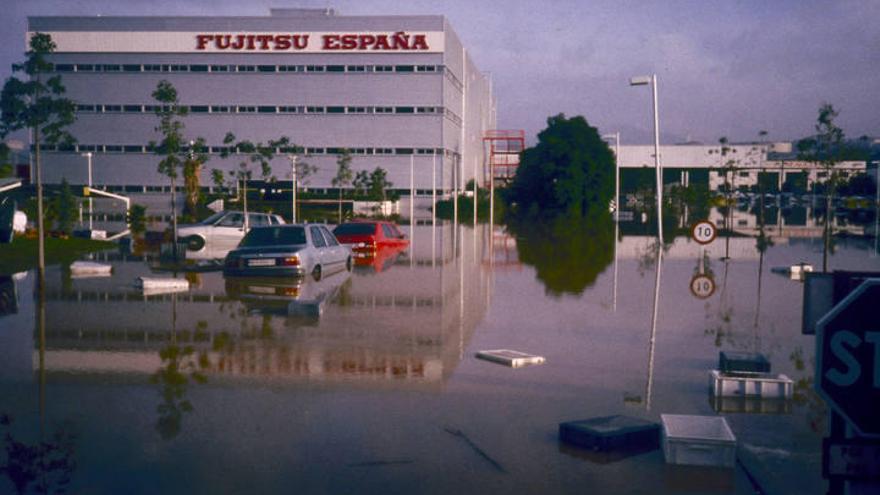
848	358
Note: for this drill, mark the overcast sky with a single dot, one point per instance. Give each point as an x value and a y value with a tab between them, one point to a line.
725	68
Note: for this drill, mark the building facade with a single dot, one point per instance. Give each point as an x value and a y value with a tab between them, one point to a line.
398	92
739	166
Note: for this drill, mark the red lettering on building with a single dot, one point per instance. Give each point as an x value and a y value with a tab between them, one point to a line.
399	41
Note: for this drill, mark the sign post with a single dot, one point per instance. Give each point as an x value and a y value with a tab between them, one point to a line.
848	379
702	284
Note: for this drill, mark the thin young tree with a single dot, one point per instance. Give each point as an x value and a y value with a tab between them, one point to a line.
196	158
37	104
343	176
826	149
170	148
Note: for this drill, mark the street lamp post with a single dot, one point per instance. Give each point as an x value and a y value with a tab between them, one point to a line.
616	137
292	159
652	81
88	156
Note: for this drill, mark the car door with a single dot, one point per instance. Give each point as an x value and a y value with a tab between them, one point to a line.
319	244
335	251
227	233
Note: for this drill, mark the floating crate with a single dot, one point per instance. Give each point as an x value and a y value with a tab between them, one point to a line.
763	385
730	361
750	405
514	359
611	433
799	271
154	286
698	440
81	269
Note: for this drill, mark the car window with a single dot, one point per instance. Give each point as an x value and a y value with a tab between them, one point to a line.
257	220
330	238
213	218
355	229
232	220
317	237
389	232
397	232
274	236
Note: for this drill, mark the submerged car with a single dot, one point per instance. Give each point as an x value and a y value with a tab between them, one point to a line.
365	238
224	229
298	250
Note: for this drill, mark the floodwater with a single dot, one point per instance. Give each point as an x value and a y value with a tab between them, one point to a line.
368	382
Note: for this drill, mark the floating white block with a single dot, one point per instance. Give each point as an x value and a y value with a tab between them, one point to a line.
799	271
698	440
90	269
763	385
154	285
514	359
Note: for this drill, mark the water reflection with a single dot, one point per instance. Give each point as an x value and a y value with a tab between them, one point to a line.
385	362
568	252
8	296
404	317
37	465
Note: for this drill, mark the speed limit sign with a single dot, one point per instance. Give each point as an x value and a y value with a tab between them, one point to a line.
702	286
704	232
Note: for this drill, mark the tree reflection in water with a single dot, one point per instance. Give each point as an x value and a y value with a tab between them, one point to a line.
568	251
181	365
41	467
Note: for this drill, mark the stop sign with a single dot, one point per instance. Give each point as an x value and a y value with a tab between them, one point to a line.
848	358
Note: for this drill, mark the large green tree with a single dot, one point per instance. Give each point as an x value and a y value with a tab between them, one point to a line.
570	169
37	103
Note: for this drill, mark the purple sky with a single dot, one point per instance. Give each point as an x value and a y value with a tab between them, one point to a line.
729	70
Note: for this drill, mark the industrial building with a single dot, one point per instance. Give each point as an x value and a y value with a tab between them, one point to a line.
398	92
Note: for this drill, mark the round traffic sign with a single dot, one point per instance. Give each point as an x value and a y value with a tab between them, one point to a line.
704	232
702	286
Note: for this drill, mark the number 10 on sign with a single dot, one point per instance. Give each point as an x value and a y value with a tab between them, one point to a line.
704	232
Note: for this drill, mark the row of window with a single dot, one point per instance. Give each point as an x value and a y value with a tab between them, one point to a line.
266	109
249	69
110	217
139	148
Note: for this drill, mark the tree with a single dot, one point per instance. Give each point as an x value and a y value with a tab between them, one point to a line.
570	169
379	184
259	153
170	127
65	206
343	176
137	220
826	149
38	105
6	167
192	170
361	182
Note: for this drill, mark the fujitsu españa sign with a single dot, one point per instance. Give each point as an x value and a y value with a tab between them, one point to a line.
246	42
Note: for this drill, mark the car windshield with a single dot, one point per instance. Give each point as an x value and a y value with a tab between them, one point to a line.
355	229
274	236
212	219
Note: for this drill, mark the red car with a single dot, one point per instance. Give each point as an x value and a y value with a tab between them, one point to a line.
366	237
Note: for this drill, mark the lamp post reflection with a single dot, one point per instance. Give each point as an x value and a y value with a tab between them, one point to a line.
654	313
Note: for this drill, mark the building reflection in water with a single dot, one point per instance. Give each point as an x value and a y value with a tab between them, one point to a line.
402	322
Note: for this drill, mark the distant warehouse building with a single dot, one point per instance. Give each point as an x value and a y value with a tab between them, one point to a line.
397	91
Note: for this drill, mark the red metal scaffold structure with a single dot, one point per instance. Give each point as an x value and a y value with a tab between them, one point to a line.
503	148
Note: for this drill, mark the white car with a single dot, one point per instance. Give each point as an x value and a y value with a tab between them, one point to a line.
224	230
